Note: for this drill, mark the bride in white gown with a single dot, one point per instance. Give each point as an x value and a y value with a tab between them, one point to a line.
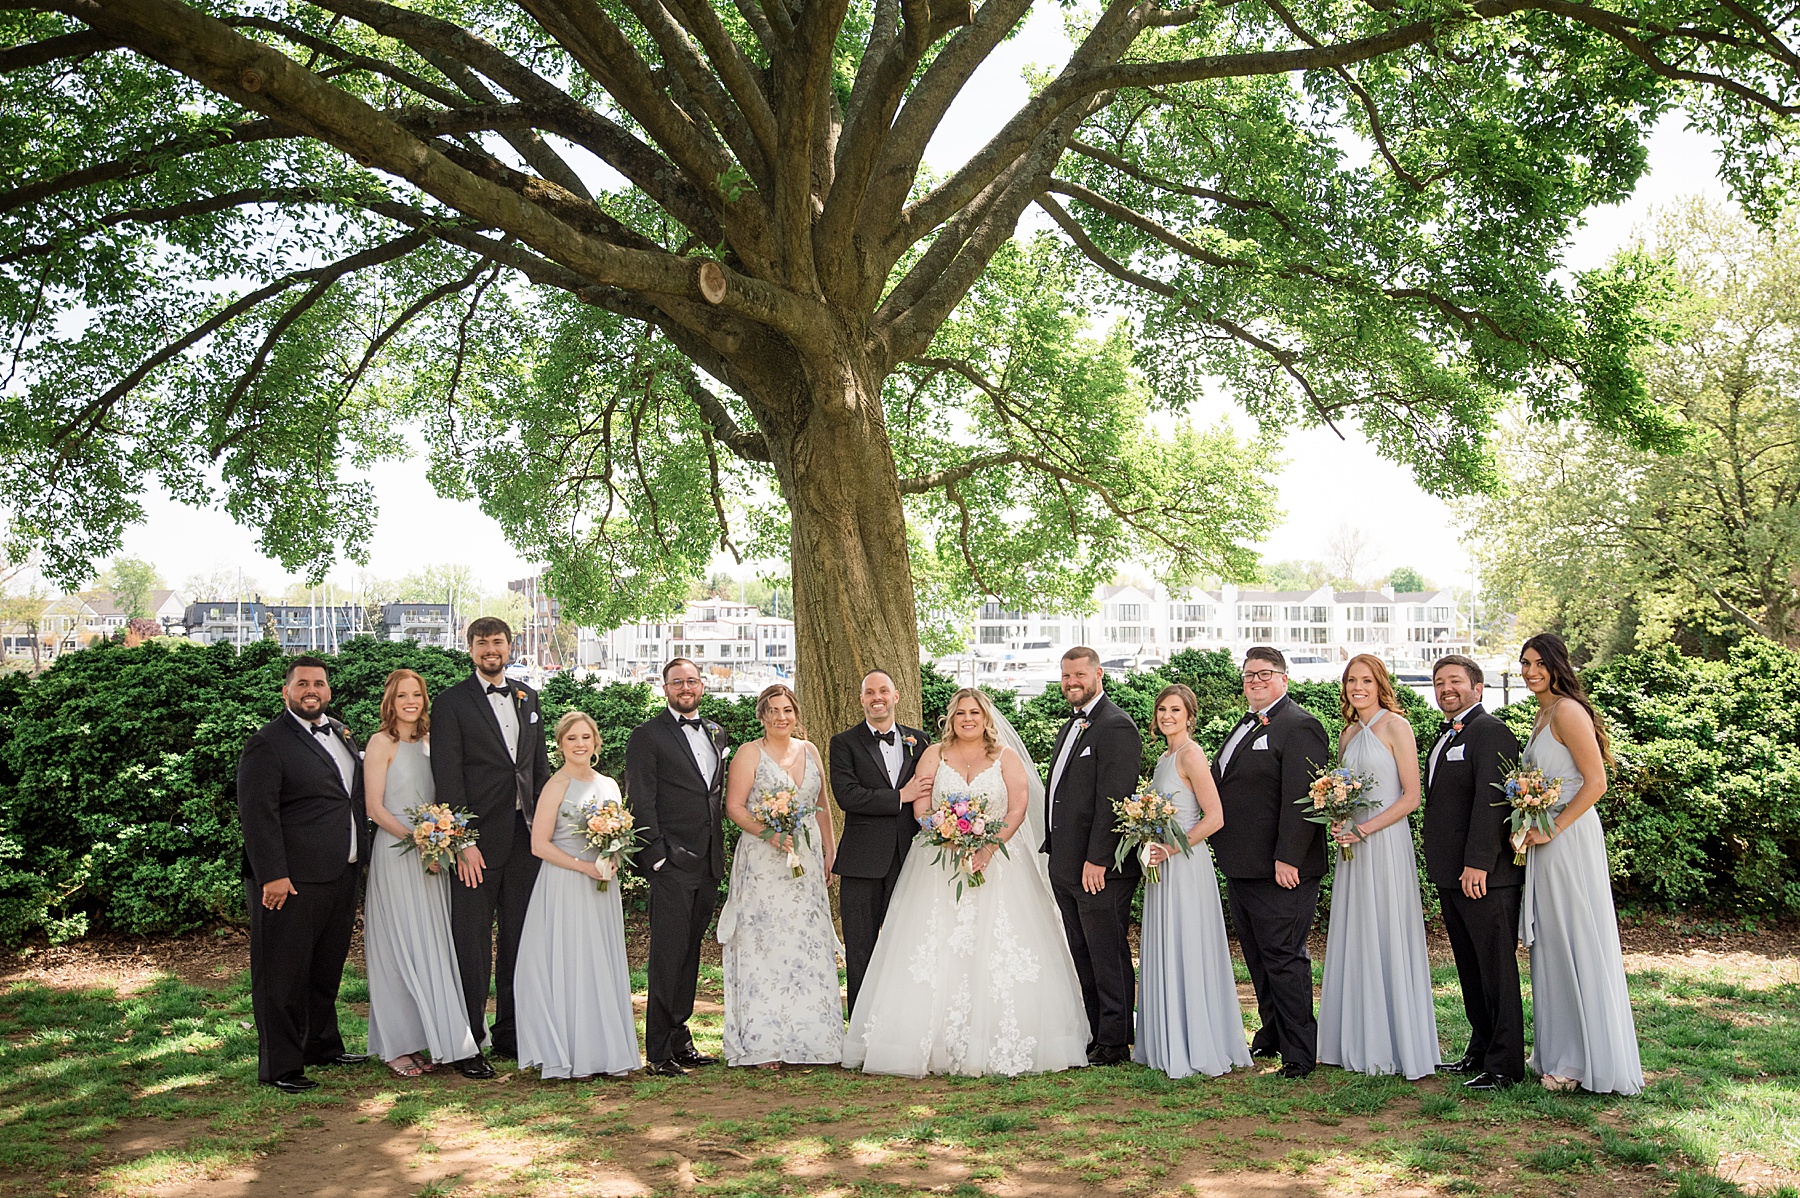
982	984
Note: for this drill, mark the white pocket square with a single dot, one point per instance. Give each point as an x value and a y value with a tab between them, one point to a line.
1455	753
534	717
1087	752
1261	742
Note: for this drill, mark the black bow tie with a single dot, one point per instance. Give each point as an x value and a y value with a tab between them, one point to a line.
499	690
321	729
686	722
886	738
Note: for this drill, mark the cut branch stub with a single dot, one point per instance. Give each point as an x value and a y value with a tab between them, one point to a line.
712	282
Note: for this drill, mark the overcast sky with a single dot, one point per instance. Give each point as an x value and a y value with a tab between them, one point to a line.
1405	526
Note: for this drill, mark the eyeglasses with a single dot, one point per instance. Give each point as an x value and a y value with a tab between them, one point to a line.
1261	675
680	683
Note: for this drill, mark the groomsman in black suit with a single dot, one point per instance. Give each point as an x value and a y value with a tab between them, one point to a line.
300	800
1272	857
1097	759
675	785
872	779
489	757
1470	861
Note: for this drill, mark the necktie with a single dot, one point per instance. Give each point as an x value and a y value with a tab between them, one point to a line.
886	738
499	690
685	722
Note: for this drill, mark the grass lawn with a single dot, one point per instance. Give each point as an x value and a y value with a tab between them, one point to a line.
124	1074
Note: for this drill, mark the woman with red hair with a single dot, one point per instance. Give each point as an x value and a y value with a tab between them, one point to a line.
1375	1010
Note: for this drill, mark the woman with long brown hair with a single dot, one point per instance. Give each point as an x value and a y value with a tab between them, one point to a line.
415	991
1582	1031
782	1004
1375	1010
1188	1019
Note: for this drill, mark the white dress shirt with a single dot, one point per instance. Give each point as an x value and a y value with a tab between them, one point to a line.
893	756
1062	759
705	756
346	763
1237	738
1444	739
508	715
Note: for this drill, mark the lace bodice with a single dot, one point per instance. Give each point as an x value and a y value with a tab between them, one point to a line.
988	787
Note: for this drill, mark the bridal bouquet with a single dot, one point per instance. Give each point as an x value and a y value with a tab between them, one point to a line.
783	814
606	824
1146	818
958	828
1531	797
438	835
1336	795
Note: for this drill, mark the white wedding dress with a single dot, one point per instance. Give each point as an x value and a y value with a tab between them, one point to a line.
980	985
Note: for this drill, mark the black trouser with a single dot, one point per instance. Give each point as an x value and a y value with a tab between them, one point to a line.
296	962
1272	924
681	905
1097	926
863	904
1484	933
505	892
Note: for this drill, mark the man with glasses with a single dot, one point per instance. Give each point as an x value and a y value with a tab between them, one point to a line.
675	786
1272	857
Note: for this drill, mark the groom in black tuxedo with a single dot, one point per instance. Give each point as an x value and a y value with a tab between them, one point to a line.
1470	861
1097	759
489	757
872	778
1272	857
300	801
675	785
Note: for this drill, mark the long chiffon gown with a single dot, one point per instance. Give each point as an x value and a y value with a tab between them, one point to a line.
979	985
782	1001
1375	1011
1580	1009
1188	1018
415	992
572	986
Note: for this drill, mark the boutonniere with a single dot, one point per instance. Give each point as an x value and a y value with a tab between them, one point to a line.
912	742
1262	717
1456	726
1081	725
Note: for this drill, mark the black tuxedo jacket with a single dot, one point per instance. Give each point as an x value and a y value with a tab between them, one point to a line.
878	827
1259	790
473	771
1463	827
296	815
1103	766
677	813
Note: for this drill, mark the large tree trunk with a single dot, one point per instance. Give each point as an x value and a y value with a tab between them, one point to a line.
853	592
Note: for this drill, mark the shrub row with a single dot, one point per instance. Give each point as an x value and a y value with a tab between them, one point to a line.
117	768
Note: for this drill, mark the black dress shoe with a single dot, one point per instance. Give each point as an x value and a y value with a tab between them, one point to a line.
1294	1070
475	1067
343	1058
693	1059
1262	1053
294	1083
1467	1063
665	1069
1486	1080
1109	1054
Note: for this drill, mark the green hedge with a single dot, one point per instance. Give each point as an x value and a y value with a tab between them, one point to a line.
117	768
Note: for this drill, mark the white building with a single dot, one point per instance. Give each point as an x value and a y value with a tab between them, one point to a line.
1140	626
719	635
